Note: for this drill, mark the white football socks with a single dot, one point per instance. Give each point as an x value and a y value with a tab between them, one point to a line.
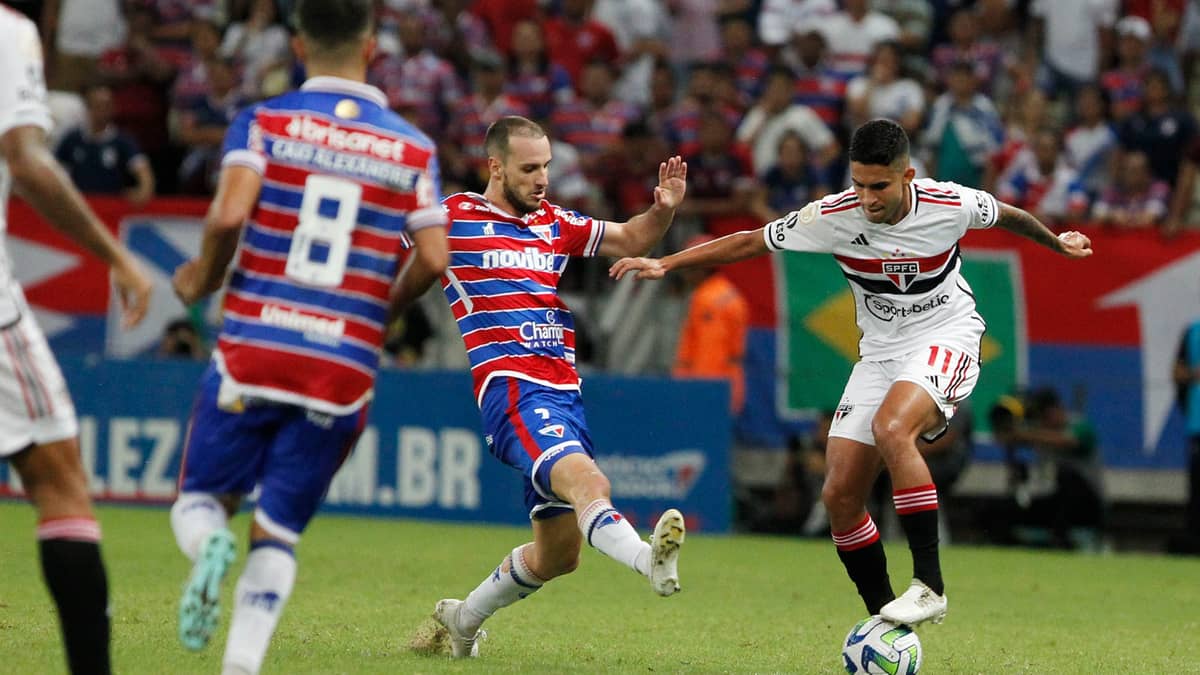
194	516
607	531
261	593
508	583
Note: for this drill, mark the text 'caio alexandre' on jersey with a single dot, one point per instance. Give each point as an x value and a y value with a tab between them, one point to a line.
343	178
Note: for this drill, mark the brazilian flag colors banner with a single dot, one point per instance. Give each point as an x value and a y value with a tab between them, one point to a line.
1103	331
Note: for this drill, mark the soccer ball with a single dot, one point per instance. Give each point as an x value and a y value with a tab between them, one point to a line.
876	645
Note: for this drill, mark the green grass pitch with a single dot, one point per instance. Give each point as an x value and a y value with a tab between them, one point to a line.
749	604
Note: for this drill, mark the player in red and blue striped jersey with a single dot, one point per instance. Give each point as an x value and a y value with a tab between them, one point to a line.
508	248
320	185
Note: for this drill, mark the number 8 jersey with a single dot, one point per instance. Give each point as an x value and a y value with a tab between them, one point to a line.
306	303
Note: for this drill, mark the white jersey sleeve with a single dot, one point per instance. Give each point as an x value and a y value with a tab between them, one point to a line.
804	230
980	208
22	83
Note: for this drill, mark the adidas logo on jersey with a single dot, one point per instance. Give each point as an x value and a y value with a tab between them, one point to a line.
860	240
529	259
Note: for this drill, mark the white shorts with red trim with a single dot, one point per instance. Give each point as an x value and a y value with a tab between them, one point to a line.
946	369
35	406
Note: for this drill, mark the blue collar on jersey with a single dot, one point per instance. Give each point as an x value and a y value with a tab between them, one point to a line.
339	85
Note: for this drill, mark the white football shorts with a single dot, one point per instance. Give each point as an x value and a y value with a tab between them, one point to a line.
35	406
946	369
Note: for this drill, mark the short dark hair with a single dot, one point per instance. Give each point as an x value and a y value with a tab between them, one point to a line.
333	24
496	141
879	142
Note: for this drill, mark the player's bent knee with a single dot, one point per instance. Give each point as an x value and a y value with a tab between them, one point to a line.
839	500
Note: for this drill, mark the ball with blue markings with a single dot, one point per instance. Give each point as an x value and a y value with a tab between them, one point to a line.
876	645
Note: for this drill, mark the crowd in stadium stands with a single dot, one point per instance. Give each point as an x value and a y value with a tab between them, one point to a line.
1076	110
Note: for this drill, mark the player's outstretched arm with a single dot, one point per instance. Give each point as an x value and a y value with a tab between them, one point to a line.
427	263
1071	244
728	249
237	193
40	180
640	233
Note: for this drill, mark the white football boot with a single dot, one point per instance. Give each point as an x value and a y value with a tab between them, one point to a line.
917	605
664	552
461	646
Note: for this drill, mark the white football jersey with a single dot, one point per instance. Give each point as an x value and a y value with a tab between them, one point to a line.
22	103
905	277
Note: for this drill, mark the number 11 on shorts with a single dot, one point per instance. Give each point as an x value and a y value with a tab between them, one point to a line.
933	357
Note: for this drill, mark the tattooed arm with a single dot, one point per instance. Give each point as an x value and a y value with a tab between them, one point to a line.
1071	244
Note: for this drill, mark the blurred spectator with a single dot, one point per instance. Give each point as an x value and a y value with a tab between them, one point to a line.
259	45
643	31
501	18
774	116
192	82
818	85
1063	495
417	78
662	97
1090	143
1161	129
790	182
102	159
1124	83
629	182
140	74
885	90
77	33
1186	374
780	20
201	128
1135	199
720	174
534	79
1075	40
712	342
172	30
964	130
694	32
486	103
964	46
683	124
1185	204
572	189
1040	181
574	39
459	35
180	340
749	62
594	122
915	18
1023	118
852	35
1168	39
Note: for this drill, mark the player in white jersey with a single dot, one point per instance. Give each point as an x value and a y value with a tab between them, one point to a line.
37	420
896	240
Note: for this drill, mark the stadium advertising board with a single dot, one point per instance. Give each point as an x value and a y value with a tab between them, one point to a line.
661	443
